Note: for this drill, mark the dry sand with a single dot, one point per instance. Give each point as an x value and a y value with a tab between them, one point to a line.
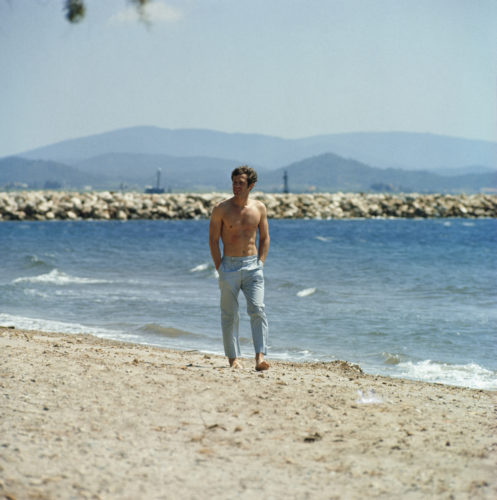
82	417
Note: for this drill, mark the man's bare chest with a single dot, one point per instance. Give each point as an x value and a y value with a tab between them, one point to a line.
242	220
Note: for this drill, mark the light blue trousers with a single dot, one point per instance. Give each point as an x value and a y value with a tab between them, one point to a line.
235	274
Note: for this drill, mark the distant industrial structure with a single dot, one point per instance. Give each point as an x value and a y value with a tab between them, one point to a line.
157	189
285	183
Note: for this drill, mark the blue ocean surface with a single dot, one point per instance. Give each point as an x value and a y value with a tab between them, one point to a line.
403	298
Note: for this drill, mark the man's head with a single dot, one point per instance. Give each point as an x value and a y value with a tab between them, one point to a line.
249	172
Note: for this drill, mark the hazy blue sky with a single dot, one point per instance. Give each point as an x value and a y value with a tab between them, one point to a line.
290	68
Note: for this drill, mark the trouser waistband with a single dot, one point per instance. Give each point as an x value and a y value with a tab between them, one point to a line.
240	260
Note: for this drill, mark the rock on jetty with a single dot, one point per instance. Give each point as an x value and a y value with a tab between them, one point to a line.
51	205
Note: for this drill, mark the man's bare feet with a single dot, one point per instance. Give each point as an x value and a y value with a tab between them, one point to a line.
235	364
260	364
263	365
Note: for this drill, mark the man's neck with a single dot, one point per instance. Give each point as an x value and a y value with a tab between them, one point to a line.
241	201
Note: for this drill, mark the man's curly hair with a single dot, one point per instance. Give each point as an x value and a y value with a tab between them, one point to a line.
245	169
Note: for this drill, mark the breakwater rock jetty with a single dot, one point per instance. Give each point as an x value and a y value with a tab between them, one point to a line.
57	205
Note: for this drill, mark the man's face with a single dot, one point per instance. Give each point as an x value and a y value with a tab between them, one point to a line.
240	185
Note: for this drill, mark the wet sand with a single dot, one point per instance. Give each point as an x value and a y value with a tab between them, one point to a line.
82	417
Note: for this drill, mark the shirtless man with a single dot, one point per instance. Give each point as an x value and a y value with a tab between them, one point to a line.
235	221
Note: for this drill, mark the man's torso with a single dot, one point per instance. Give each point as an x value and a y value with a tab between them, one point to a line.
239	228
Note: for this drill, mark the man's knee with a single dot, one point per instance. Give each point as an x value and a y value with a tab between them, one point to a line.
256	310
227	315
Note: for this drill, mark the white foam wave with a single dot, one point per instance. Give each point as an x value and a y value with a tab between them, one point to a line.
30	292
306	292
469	375
34	260
306	356
391	359
322	238
45	325
200	267
58	278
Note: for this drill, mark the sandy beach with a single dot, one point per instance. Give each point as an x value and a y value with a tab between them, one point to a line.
82	417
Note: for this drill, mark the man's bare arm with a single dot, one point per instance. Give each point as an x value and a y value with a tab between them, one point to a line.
263	235
215	226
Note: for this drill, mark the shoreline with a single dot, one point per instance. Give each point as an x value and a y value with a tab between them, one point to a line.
107	205
365	369
86	417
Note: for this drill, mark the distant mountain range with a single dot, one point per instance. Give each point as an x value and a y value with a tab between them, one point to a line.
330	172
177	173
385	150
21	172
201	160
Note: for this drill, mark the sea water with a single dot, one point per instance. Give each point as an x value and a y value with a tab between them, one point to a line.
403	298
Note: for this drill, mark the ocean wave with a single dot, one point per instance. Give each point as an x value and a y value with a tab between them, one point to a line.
297	356
46	325
58	278
391	359
205	267
31	292
469	375
167	331
377	333
286	284
33	261
200	267
306	292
